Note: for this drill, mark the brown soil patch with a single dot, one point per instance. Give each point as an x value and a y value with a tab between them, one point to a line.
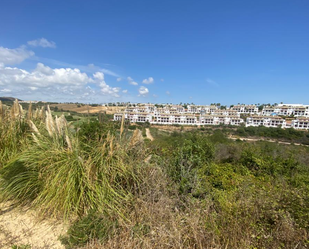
20	226
174	128
91	109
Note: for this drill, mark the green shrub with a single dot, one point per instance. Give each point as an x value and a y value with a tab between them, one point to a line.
95	131
94	226
132	127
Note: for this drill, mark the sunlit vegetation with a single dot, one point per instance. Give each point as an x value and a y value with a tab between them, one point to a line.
290	134
193	189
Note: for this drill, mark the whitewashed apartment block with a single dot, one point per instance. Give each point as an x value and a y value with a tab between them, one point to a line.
300	123
265	121
246	109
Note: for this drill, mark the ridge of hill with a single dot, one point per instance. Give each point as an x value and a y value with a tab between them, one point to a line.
87	108
9	99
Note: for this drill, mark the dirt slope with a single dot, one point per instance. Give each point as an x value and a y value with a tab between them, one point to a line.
91	109
21	227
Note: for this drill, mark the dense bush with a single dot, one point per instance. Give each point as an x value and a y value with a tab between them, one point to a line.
278	133
262	188
95	131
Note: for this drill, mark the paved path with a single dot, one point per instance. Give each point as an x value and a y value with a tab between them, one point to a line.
148	134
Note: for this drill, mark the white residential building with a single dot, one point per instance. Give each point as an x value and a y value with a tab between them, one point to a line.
227	112
220	119
201	109
300	123
134	117
211	115
184	119
246	109
268	111
297	110
265	121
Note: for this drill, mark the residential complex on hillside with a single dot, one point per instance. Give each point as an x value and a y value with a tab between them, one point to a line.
282	115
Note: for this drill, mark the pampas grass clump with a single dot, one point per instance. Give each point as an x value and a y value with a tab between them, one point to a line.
60	176
13	131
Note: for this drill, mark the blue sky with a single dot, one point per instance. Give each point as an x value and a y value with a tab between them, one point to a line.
231	52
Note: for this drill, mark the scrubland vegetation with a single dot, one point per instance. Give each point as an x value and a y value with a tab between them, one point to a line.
290	134
182	190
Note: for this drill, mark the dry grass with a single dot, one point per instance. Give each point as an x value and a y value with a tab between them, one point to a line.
159	221
12	128
1	111
136	139
86	108
160	218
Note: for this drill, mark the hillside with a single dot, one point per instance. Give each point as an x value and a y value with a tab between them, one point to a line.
8	99
119	185
86	108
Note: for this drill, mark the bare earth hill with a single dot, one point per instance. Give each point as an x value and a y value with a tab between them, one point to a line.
86	108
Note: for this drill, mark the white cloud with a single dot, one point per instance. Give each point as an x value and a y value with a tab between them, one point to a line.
143	91
14	56
131	81
162	80
94	68
90	68
150	80
124	91
43	76
64	83
119	79
212	82
41	68
5	90
60	82
90	89
107	90
168	93
42	43
154	95
98	75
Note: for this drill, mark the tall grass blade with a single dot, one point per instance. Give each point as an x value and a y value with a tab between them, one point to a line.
29	114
